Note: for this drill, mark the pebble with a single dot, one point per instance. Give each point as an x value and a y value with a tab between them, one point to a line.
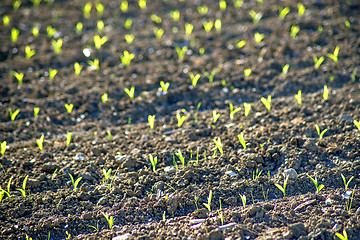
345	117
33	183
347	194
328	201
49	167
122	237
291	173
336	227
169	169
231	173
229	225
80	157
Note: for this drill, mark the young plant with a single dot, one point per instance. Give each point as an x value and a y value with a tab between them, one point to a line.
294	31
256	16
16	4
233	111
126	58
222	5
79	27
95	64
104	98
40	142
301	9
158	32
35	31
19	76
57	45
188	29
247	72
151	120
127	24
326	93
219	145
23	190
14	35
243	200
241	44
50	31
242	140
77	68
110	219
350	201
220	212
342	236
124	6
256	174
99	41
197	112
69	107
346	183
334	55
196	199
318	61
211	75
181	157
202	9
156	19
68	138
87	10
285	69
181	51
29	52
208	26
321	134
175	15
238	3
208	204
75	183
298	97
258	37
3	148
153	161
247	108
99	9
315	181
194	78
129	38
108	132
217	24
357	124
267	102
13	114
215	116
283	12
100	26
142	4
130	92
164	86
283	188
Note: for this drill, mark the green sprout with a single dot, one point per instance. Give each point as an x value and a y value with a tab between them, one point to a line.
342	236
78	27
194	78
36	111
211	75
100	26
3	148
36	2
202	9
106	174
181	51
285	69
126	58
35	31
151	120
104	98
19	76
258	37
294	31
99	9
283	12
326	93
349	201
347	23
243	200
220	212
219	145
129	38
124	6
215	116
301	9
156	19
53	175
153	161
357	124
75	182
40	142
247	72
318	61
217	24
14	35
208	26
222	5
238	3
346	183
201	51
110	219
130	92
256	174
16	4
50	31
242	140
315	181
94	64
247	108
175	15
158	32
108	132
52	73
256	16
188	29
233	111
164	86
321	134
267	102
29	52
196	199
99	41
57	45
208	204
241	44
13	114
68	138
77	68
127	24
334	55
142	4
283	188
87	10
69	107
181	157
298	97
23	190
3	192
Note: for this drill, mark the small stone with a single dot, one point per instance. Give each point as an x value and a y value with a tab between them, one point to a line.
169	169
328	201
196	221
80	157
129	163
216	235
49	167
336	227
345	117
291	173
170	139
231	173
229	225
87	216
297	230
33	183
122	237
347	194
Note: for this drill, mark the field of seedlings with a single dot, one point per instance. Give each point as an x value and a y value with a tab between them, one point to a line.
180	119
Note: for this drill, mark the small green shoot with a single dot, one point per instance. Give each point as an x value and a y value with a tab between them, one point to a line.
14	35
95	228
342	236
334	55
158	32
68	138
50	31
130	92
346	183
211	75
99	41
238	3
267	102
298	97
153	161
77	68
294	31
217	24
247	108
19	76
208	26
57	45
108	132
164	86
222	5
142	4
181	51
79	27
53	175
126	58
181	157
87	10
110	219
202	9
215	116
13	114
258	37
301	9
256	16
40	142
151	120
99	9
175	15
129	38
35	31
128	23
29	52
196	199
256	174
181	119
243	200
208	204
220	212
357	124
283	188
283	12
106	174
315	181
318	61
6	20
124	6
188	29
52	73
23	190
326	93
194	78
321	134
233	111
219	145
156	19
241	44
247	72
347	23
350	201
285	69
75	182
3	148
69	107
104	98
94	64
242	140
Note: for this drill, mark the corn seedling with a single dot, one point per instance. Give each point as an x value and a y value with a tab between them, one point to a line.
108	132
95	228
196	199
258	37
100	26
201	51
202	9
175	15
238	3
29	52
247	108
94	64
151	120
285	69
217	24
181	157
194	78
208	204
68	138
181	118
35	31
104	98
16	4
110	219
283	188
247	72
301	9
197	112
211	75
181	51
321	134
318	61
222	5
208	26
346	183
283	12
357	124
36	111
13	114
220	212
53	175
347	23
315	181
267	102
75	183
218	144
294	31
153	161
342	236
256	174
126	58
99	41
326	93
57	45
233	111
50	31
334	55
188	29
79	27
349	201
243	200
23	190
256	16
215	116
3	148
142	4
158	32
124	6
242	140
164	86
40	142
127	24
106	174
14	35
87	10
156	19
77	68
298	97
52	73
99	9
241	44
19	76
130	92
129	38
69	107
36	2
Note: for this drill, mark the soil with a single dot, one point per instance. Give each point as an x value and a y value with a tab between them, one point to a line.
281	143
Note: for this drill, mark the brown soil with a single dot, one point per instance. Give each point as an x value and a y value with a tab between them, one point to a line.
161	205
